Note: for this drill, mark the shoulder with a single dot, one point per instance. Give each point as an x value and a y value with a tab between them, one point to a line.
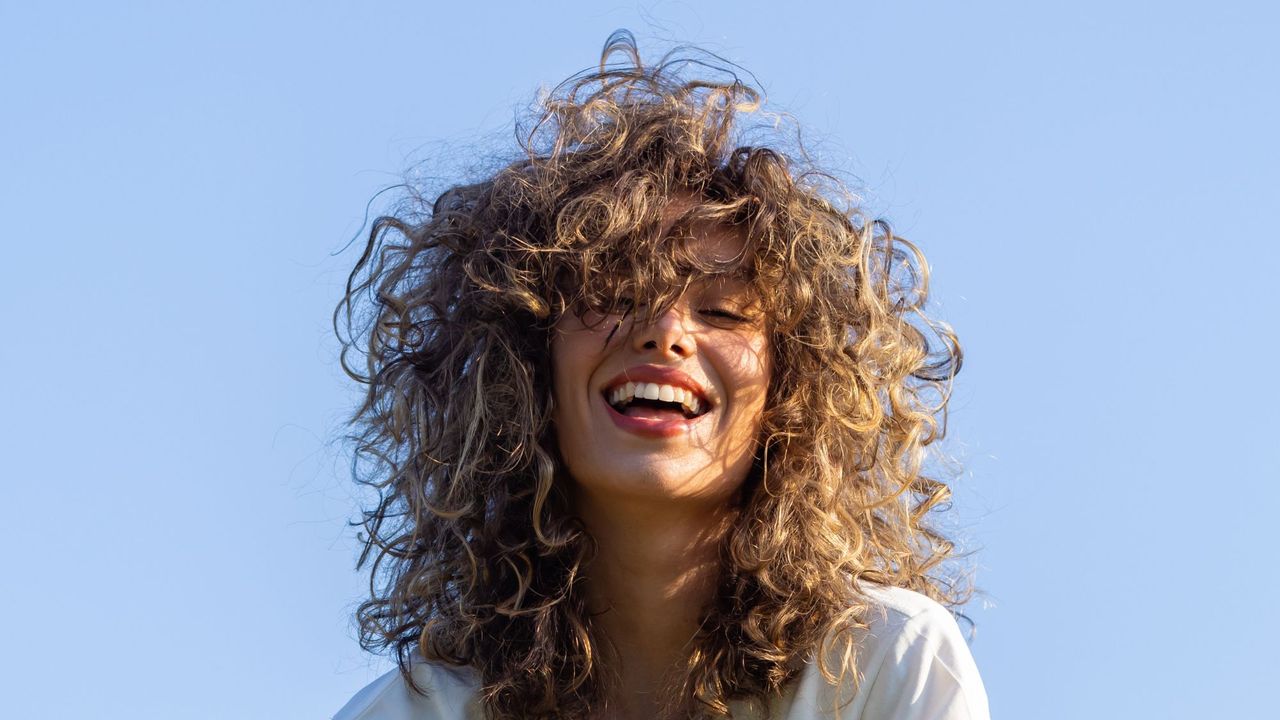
450	695
912	664
898	614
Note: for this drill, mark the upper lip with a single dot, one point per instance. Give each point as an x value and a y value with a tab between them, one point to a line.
662	376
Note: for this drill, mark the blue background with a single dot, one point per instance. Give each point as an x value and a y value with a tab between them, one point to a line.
1094	183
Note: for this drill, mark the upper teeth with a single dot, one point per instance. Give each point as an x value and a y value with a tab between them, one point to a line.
654	391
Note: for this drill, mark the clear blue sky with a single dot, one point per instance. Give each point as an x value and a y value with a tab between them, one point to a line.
1095	186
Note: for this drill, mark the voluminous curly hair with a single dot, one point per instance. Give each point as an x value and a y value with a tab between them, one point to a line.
474	553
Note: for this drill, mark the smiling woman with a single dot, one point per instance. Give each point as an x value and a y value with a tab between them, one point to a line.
644	445
647	413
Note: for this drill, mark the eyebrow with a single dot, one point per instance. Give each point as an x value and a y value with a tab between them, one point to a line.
731	282
739	273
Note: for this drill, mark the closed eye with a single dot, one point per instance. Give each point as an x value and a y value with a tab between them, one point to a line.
627	306
723	314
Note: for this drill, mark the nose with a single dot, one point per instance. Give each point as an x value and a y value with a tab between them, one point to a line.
668	334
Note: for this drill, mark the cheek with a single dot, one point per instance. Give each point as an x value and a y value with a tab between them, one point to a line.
750	368
564	420
569	345
576	353
565	361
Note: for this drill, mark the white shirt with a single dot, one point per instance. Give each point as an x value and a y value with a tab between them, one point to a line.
913	661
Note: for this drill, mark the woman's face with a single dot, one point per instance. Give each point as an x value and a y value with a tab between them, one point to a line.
706	361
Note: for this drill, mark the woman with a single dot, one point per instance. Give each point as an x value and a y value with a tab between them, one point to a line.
647	413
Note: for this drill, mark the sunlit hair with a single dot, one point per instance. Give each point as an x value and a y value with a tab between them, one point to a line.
474	553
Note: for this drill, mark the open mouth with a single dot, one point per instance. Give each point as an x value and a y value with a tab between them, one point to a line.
656	401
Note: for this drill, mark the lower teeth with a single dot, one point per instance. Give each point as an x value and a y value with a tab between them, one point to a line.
684	412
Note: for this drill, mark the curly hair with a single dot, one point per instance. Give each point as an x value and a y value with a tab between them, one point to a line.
474	553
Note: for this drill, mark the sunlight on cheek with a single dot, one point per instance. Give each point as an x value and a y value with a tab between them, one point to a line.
750	363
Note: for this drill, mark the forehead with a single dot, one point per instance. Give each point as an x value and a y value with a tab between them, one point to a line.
691	246
712	241
710	256
705	247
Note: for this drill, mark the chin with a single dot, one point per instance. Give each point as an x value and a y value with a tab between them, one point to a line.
658	481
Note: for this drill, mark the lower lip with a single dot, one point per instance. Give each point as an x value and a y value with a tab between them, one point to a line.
648	427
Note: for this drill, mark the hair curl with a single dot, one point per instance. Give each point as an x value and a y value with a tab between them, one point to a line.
473	551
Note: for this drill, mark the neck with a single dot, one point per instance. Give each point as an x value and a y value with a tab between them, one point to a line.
655	571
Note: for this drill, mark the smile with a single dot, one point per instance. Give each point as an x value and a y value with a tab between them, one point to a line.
652	422
655	401
656	396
